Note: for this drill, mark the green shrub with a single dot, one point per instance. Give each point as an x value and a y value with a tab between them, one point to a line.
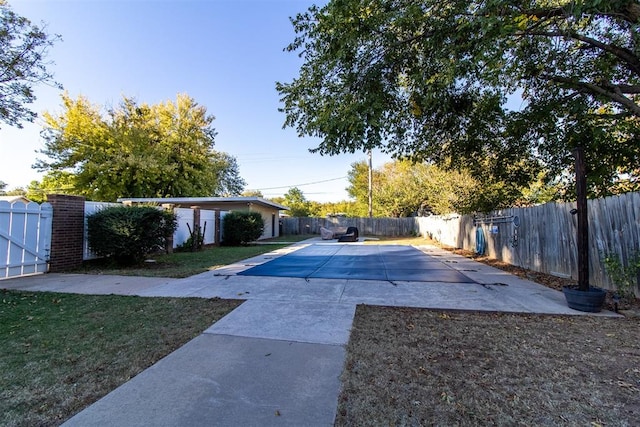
242	227
128	234
625	277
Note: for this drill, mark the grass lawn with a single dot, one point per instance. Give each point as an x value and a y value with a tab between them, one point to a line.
181	264
418	367
291	238
61	352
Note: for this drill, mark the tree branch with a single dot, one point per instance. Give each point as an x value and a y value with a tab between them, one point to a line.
621	53
602	90
629	12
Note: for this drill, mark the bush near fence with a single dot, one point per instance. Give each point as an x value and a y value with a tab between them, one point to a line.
544	240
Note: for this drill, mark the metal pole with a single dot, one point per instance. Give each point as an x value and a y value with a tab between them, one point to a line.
370	187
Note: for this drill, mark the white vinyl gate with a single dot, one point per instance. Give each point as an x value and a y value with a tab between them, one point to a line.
25	238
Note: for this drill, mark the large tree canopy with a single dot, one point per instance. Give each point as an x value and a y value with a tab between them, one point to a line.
23	51
404	188
430	80
136	150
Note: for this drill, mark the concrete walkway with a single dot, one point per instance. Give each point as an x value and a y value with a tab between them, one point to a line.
276	359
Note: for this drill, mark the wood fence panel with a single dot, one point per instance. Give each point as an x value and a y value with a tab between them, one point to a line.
545	241
366	226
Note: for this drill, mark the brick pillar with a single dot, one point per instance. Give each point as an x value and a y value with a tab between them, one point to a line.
67	232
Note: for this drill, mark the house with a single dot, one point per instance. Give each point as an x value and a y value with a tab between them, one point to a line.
270	211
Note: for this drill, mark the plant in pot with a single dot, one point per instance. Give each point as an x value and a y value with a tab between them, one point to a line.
583	297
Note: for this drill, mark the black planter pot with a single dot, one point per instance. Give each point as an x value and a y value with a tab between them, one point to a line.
590	301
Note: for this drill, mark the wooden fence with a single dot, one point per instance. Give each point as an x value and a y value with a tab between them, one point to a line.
541	238
366	226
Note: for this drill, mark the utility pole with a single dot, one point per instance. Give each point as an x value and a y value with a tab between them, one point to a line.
370	187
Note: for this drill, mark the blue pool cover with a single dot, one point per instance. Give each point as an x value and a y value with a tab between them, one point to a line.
363	262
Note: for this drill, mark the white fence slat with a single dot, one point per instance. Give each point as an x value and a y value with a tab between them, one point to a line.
16	231
5	221
208	226
185	220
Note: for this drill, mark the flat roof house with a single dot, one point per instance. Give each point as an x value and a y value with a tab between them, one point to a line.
270	211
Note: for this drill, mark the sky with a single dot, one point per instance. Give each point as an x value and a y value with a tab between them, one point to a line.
226	54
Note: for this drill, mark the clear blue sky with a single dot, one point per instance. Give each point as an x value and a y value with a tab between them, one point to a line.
226	54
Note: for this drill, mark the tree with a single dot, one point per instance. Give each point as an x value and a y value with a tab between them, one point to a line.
137	150
227	175
429	80
348	208
404	188
18	191
252	193
23	52
297	203
358	189
55	182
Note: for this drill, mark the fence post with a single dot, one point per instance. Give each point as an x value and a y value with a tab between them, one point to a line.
67	232
195	240
217	231
168	243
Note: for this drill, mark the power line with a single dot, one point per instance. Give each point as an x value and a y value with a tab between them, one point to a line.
301	185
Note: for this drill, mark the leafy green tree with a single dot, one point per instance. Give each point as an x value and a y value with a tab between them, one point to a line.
18	191
56	182
348	208
404	188
297	203
358	189
252	193
227	173
137	150
429	80
279	200
23	51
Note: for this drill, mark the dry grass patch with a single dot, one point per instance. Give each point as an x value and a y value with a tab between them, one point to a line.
420	367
